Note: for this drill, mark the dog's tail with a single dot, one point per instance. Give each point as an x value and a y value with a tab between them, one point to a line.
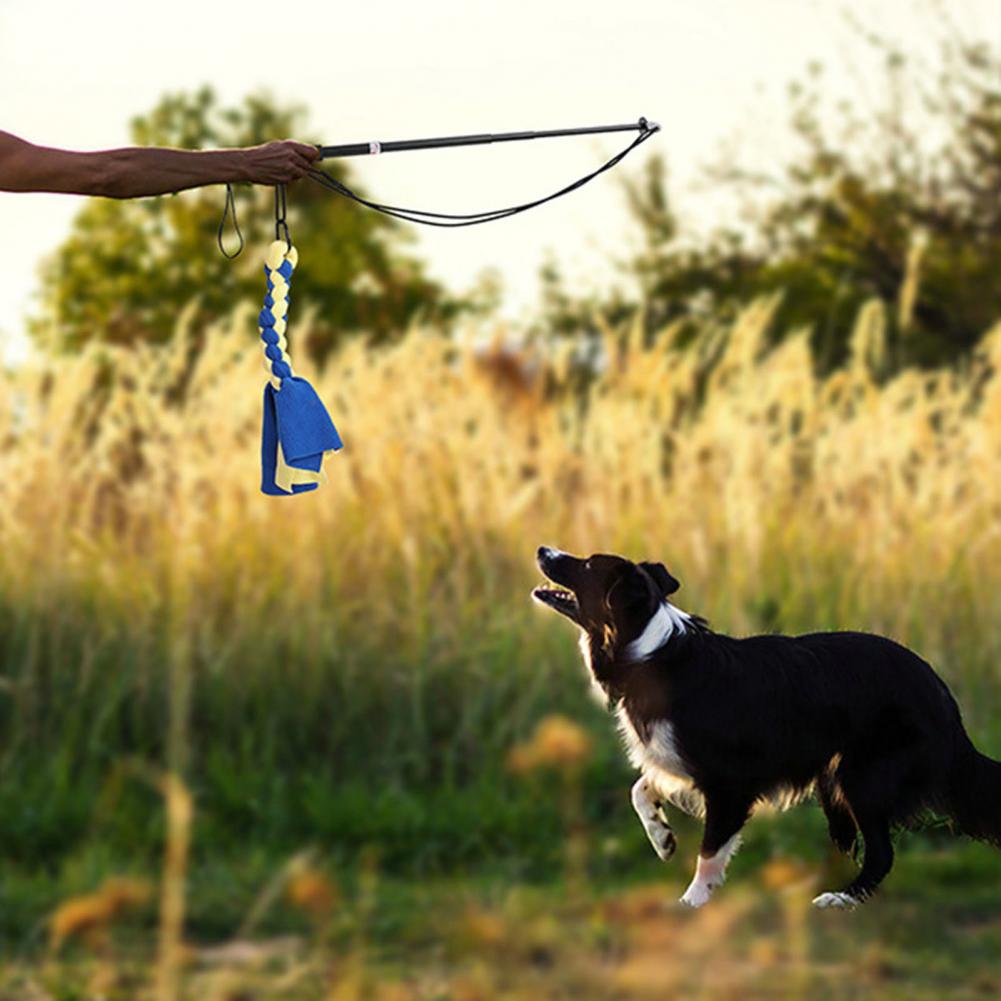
975	793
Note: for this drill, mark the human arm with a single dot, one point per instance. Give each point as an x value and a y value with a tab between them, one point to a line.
135	172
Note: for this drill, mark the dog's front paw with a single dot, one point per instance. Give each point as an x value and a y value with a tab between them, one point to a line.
697	894
665	844
844	901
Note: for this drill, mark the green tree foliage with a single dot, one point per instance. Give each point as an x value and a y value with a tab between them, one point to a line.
128	267
902	205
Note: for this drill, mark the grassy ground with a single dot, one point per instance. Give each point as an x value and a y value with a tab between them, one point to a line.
934	932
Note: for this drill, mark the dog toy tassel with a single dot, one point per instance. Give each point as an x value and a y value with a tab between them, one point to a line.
297	431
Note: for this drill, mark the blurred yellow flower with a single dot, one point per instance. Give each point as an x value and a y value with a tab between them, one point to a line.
88	917
780	873
483	930
557	742
311	891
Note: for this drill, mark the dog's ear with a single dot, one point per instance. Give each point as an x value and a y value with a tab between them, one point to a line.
666	584
627	591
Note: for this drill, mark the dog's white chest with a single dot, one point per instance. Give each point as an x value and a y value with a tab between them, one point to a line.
659	754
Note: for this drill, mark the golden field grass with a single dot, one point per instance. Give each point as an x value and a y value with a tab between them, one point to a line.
826	500
296	659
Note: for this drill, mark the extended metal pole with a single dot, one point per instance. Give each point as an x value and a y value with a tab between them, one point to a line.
397	146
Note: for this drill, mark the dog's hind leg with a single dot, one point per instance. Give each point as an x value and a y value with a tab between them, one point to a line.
876	864
840	822
867	786
725	816
878	859
648	809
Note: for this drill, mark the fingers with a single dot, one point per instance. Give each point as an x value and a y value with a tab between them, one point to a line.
303	156
281	161
311	153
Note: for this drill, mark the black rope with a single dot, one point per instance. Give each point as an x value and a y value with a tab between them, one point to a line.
230	206
451	220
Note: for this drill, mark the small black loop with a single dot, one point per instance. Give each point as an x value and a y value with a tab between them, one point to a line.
230	206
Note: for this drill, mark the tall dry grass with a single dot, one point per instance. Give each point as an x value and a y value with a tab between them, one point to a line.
755	480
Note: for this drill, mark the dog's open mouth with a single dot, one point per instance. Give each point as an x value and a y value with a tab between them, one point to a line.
559	599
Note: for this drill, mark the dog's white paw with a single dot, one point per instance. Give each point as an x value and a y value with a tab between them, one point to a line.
697	895
663	840
844	901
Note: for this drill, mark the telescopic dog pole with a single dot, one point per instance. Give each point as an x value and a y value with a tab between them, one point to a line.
297	431
403	145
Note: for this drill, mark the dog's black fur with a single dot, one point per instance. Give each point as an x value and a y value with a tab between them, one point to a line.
858	719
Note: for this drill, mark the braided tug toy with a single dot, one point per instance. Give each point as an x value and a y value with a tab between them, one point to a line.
297	430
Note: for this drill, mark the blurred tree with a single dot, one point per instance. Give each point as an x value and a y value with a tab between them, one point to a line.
903	205
128	266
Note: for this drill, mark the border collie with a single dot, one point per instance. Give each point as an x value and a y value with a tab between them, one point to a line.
716	724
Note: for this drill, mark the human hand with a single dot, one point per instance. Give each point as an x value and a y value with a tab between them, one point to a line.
279	162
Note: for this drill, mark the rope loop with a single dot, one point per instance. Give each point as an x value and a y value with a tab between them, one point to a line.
230	206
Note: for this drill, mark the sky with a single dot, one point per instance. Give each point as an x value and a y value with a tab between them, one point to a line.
708	71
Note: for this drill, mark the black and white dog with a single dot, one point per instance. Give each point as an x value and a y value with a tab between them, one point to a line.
717	724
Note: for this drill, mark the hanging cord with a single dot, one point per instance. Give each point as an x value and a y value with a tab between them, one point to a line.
451	220
280	222
230	207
